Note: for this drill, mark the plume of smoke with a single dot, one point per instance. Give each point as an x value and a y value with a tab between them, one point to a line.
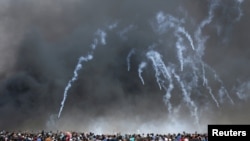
242	91
192	106
161	70
239	2
163	25
180	48
39	38
102	35
165	22
132	51
183	31
218	79
125	30
200	39
140	70
73	79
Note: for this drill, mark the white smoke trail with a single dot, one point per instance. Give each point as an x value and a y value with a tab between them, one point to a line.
218	79
190	61
205	83
183	31
192	106
198	34
161	70
94	44
140	70
242	91
102	36
180	48
112	26
180	44
203	74
166	22
221	93
167	96
125	30
200	50
74	78
102	39
159	67
239	2
132	51
211	93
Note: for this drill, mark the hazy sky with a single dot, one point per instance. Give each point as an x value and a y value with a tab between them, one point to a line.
203	63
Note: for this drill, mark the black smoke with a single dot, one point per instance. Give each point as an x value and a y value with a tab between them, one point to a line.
41	42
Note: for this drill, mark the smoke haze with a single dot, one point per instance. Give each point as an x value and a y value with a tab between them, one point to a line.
203	45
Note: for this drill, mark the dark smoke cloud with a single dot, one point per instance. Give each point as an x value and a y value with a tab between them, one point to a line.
41	42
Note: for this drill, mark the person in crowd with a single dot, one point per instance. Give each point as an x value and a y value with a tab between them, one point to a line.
80	136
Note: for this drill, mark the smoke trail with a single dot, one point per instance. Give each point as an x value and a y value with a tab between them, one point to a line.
112	26
132	51
180	48
161	69
239	2
198	33
166	22
211	92
140	70
217	78
102	35
102	38
192	106
125	30
74	78
183	31
242	91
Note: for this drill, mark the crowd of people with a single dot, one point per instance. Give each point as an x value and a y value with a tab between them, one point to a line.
81	136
